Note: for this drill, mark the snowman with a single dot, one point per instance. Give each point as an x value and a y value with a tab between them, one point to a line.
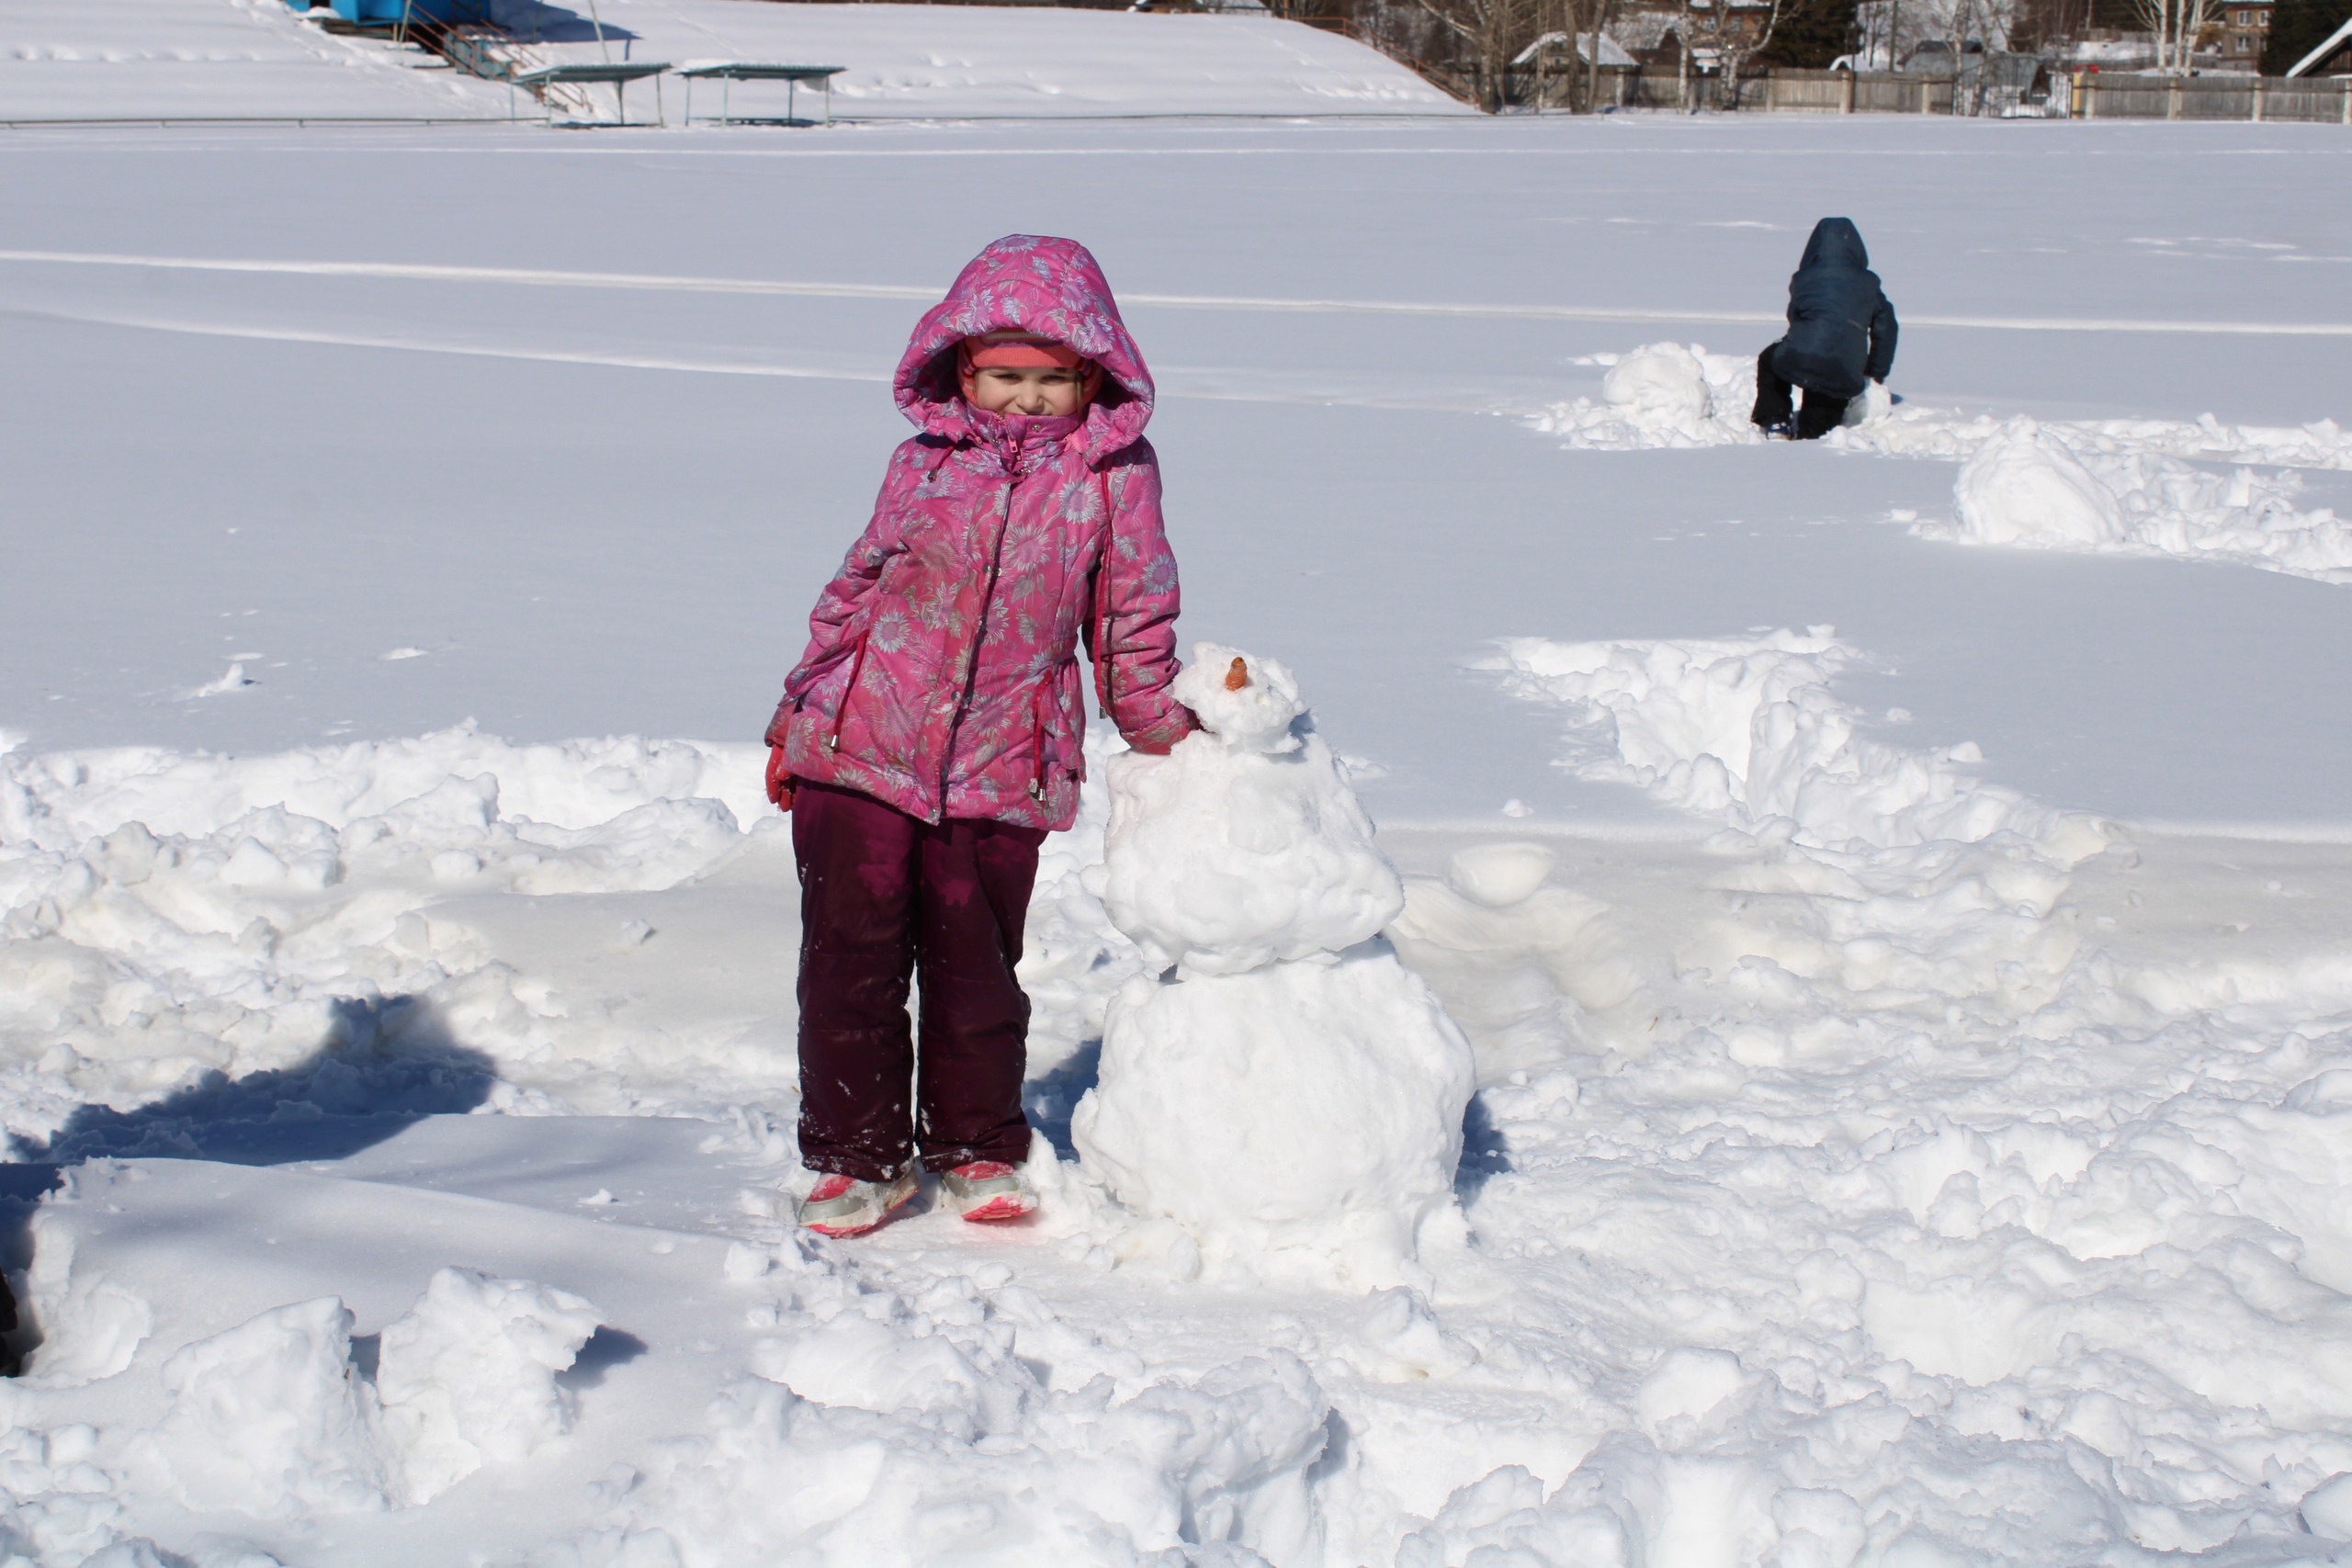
1278	1084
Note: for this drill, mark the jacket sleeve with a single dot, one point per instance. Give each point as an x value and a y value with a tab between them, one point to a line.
1136	601
838	606
1883	328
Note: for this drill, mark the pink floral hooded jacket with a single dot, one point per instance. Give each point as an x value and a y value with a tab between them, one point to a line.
942	671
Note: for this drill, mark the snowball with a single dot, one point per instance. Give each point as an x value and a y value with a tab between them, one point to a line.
1242	846
2025	484
1500	876
1874	402
1660	383
1309	1105
468	1377
266	1418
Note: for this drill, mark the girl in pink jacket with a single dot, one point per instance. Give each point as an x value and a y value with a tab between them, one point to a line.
932	734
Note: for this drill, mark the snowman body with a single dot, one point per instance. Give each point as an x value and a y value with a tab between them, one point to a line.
1280	1086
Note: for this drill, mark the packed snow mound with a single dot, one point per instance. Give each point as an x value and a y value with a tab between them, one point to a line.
1661	394
1661	385
1245	845
1295	1119
268	1419
2026	486
468	1377
1287	1092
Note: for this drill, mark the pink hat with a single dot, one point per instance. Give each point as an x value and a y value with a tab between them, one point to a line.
1018	350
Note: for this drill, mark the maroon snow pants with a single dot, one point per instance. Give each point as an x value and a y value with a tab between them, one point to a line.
883	896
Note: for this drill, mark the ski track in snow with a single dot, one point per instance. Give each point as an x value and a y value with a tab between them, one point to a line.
557	279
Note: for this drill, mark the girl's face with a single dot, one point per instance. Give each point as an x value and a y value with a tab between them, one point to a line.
1033	389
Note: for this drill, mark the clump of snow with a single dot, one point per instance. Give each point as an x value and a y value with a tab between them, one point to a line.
93	1325
2327	1509
1661	394
2024	486
467	1376
897	1424
268	1419
1288	1092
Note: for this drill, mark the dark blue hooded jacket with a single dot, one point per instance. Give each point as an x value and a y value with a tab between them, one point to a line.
1841	330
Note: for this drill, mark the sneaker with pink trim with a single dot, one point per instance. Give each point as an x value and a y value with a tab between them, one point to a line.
989	1190
842	1205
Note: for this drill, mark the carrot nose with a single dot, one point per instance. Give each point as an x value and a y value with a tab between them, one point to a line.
1238	676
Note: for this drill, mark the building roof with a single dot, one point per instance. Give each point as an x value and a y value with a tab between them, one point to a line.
2317	57
1611	51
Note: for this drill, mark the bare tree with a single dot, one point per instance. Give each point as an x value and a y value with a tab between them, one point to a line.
2176	25
1490	32
1593	18
1713	24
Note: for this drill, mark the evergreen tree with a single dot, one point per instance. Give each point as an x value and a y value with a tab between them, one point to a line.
1812	33
2299	26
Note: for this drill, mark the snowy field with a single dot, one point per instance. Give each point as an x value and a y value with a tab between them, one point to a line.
213	59
1913	1031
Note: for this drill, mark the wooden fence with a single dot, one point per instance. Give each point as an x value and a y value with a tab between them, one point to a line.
2114	97
2092	96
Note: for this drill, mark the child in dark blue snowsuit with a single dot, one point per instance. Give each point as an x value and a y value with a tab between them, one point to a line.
1840	337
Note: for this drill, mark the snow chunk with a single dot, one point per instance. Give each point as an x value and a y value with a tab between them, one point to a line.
2025	485
468	1377
266	1418
2327	1509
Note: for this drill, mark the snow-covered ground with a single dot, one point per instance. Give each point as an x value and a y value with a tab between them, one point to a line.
1906	968
147	59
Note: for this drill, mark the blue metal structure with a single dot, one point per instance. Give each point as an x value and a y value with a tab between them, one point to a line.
393	12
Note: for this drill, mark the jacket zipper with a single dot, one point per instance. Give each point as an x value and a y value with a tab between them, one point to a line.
980	630
856	662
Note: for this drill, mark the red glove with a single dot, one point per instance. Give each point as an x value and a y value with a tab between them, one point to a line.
1162	748
779	780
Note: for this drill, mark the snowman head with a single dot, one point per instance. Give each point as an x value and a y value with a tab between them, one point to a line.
1248	703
